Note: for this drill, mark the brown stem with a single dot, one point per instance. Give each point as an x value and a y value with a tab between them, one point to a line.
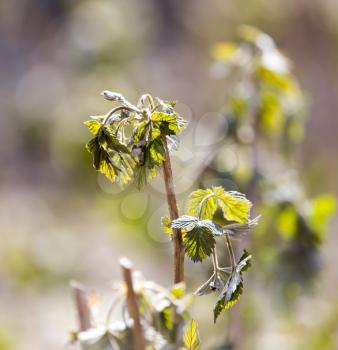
81	304
132	305
173	211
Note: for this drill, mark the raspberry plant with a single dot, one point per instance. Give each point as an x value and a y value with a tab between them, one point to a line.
133	143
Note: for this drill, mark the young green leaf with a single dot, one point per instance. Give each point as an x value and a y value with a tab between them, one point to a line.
156	149
209	204
93	126
167	123
199	243
234	205
102	161
165	223
191	338
185	222
233	287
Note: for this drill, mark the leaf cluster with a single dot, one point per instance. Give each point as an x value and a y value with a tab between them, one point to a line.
131	142
201	232
272	101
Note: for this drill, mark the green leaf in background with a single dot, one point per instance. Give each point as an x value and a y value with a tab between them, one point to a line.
178	290
234	205
194	201
323	207
191	338
199	243
224	52
287	222
272	118
233	287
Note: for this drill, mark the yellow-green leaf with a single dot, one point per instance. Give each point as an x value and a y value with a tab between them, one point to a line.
191	338
165	221
235	206
287	222
209	205
93	126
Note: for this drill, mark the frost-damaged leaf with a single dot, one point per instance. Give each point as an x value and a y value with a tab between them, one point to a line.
194	201
235	206
233	287
199	243
165	222
191	338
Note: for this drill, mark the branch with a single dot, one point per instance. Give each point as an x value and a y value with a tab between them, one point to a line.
132	305
81	304
173	211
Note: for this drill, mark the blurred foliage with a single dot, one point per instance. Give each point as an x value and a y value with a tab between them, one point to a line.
6	339
264	112
164	318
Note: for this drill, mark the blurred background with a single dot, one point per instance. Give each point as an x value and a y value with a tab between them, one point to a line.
60	220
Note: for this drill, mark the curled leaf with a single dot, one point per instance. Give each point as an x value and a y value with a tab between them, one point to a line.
233	287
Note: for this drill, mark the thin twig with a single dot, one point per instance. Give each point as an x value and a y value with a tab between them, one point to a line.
81	304
132	305
173	211
231	252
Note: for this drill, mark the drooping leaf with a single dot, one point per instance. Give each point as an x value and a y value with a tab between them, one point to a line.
126	163
109	141
199	243
209	205
156	149
191	337
233	287
239	230
235	206
102	161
